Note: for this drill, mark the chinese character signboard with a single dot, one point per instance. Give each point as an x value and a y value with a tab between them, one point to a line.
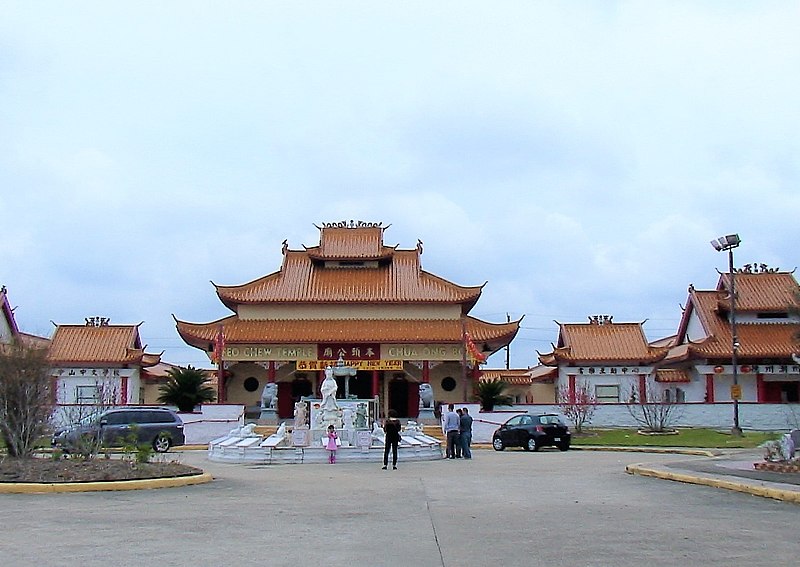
312	365
348	351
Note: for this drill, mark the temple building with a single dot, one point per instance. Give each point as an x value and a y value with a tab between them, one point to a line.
406	332
98	363
768	339
611	361
614	362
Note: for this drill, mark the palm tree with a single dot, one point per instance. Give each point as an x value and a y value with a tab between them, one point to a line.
490	394
186	388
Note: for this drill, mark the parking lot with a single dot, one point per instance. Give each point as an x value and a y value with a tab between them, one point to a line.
510	508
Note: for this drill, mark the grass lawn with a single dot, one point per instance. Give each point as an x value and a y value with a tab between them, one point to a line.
696	438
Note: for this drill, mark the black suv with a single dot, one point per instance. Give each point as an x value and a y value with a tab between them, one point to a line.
160	427
531	432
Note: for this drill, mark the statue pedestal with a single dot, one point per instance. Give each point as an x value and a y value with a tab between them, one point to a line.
268	414
426	413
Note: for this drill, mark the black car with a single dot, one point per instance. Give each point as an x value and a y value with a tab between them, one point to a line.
531	432
161	428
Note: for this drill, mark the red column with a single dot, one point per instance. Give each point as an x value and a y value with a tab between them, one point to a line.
642	389
375	383
220	384
761	388
426	372
572	389
123	395
709	388
271	372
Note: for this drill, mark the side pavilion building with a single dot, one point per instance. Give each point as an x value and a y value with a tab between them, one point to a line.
354	299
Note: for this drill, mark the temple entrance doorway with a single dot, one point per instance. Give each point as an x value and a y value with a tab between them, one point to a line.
398	396
291	392
361	385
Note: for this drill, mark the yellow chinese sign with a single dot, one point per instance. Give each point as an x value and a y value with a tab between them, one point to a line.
736	391
312	365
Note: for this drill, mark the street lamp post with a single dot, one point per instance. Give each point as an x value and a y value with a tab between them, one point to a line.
727	244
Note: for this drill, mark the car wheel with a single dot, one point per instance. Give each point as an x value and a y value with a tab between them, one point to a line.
497	443
162	443
564	446
531	444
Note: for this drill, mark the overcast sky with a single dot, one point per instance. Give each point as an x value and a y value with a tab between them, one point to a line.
578	157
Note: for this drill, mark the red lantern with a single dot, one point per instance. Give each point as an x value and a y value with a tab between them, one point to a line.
719	369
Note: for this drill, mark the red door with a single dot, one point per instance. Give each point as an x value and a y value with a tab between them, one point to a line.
413	400
285	403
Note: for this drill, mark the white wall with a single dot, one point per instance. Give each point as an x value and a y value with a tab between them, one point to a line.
210	422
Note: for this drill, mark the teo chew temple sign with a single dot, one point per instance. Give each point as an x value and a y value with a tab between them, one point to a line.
349	298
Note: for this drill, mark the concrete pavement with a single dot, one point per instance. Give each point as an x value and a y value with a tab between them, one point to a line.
732	470
506	508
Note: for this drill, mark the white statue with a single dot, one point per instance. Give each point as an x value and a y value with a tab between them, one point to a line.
269	397
377	430
329	411
300	413
347	418
328	390
244	431
281	430
425	396
361	415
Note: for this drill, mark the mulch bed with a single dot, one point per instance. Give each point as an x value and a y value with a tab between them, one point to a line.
777	467
96	470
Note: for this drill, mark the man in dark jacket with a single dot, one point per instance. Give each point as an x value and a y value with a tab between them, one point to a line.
466	433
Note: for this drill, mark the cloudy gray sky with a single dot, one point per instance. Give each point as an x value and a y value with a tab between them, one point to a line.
577	156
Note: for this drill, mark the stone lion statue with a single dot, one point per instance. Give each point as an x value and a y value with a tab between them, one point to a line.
269	397
425	396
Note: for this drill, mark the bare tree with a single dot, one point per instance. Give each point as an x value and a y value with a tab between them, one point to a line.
25	398
580	408
655	411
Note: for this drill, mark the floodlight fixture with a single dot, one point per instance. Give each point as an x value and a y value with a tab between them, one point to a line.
726	242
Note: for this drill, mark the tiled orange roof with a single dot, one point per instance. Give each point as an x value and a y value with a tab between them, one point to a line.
514	377
609	342
301	280
34	341
347	330
672	375
756	340
761	292
543	374
338	243
111	344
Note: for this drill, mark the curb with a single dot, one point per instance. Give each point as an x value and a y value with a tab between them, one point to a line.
145	484
763	491
658	450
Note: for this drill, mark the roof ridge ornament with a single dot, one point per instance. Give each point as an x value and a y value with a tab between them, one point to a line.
97	321
601	319
757	269
352	224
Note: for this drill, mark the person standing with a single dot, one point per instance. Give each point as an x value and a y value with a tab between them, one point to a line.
451	427
458	439
391	427
330	444
466	433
